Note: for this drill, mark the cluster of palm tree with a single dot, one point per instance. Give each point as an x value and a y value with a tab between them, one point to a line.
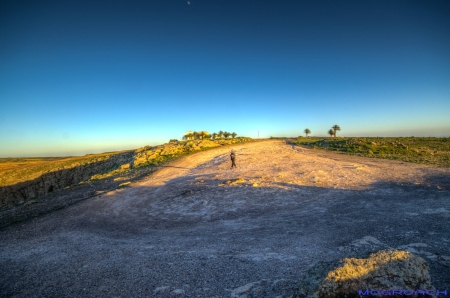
331	132
200	135
224	134
206	135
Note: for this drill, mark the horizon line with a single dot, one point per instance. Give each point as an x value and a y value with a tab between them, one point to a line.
268	138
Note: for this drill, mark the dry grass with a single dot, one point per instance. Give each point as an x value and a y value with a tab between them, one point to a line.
433	151
7	164
15	170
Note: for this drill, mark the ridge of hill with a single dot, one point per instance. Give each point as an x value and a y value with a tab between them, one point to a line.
24	183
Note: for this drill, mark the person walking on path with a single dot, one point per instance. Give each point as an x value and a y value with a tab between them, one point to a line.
233	158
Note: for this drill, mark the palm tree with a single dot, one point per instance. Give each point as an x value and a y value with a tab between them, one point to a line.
214	135
336	128
226	134
307	132
233	135
220	134
195	134
201	134
331	132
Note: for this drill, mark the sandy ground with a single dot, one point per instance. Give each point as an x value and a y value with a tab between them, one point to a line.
196	228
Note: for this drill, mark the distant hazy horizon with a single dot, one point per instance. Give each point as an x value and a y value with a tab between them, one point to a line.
81	77
116	148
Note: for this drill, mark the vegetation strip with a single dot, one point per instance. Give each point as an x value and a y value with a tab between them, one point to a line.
432	151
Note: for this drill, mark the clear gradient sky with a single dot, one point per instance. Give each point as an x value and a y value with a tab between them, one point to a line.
80	77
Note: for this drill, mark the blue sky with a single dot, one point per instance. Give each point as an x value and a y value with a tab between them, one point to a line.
80	77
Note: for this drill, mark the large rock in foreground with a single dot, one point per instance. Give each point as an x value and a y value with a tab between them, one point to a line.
383	270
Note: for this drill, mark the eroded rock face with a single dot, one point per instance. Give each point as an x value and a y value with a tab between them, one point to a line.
383	270
59	178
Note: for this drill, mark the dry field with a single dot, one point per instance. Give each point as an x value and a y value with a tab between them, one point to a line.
196	228
431	151
7	164
14	170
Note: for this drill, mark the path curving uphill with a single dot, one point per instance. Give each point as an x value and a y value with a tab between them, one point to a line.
196	228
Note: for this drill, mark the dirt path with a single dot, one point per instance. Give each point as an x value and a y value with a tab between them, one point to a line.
196	228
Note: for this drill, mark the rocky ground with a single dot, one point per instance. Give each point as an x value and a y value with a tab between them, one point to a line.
196	228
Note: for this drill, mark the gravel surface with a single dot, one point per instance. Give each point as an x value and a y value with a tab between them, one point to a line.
196	228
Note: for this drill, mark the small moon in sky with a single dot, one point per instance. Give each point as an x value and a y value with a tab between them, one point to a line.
189	3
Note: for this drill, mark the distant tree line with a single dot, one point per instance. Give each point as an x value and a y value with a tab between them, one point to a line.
332	132
206	135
